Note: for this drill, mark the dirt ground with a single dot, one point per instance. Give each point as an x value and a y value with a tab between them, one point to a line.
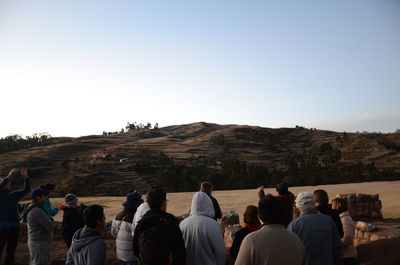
382	252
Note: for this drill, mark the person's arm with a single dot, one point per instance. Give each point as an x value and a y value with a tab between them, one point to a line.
260	192
348	230
3	183
27	185
115	227
49	210
245	255
218	244
179	257
70	260
217	209
237	241
339	225
136	240
337	246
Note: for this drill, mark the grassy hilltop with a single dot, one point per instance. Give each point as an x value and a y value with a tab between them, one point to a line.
232	156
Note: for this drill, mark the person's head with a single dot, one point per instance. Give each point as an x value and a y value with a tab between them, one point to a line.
250	216
305	202
133	201
71	199
157	199
269	210
40	195
94	217
282	189
207	187
321	197
49	187
339	205
157	245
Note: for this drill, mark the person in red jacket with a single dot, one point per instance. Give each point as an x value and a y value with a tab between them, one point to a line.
285	199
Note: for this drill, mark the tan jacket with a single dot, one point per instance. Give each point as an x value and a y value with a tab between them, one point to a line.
271	245
348	238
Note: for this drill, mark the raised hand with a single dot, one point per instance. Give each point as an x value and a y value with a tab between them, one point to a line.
12	173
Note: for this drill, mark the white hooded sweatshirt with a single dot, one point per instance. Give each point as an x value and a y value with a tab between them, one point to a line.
202	234
140	212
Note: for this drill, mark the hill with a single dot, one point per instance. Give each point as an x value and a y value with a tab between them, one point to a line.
232	156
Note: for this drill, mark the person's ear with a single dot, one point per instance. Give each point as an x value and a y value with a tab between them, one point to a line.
170	259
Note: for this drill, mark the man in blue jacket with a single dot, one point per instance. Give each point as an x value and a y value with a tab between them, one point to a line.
9	213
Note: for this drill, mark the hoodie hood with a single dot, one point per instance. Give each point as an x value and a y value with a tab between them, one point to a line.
82	238
202	205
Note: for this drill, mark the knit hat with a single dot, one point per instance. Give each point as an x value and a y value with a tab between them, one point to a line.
71	198
39	192
133	200
305	201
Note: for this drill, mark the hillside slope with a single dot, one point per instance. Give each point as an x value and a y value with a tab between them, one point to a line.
179	156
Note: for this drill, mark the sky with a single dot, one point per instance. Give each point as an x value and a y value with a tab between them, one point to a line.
73	68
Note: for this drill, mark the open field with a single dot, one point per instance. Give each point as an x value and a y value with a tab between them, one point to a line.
179	203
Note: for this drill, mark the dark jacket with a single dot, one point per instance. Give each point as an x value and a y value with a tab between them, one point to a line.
286	203
9	208
88	248
72	221
156	217
217	209
327	210
237	241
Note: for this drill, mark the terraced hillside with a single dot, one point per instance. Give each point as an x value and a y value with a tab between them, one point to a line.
179	156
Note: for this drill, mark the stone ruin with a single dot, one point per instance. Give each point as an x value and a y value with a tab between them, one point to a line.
230	224
363	206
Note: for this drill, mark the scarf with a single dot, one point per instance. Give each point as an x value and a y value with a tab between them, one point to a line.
252	227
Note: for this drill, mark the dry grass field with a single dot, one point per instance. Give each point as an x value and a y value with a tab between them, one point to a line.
179	203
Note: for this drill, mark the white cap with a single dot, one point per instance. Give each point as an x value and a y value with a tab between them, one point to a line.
305	201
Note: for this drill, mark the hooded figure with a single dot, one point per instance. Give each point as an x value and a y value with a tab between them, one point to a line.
202	234
88	247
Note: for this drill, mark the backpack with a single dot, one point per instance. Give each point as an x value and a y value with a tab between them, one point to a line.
25	210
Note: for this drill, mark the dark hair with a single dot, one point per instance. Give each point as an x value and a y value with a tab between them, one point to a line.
92	214
321	197
282	189
339	205
48	186
269	210
156	197
250	216
156	244
206	186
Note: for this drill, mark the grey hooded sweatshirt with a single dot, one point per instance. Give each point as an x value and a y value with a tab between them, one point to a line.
88	248
202	234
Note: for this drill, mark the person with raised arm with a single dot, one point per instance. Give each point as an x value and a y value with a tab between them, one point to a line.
9	213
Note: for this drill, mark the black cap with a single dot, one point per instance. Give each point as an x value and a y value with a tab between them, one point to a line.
133	200
39	192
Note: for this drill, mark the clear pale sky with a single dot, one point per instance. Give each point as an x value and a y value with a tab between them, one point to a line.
74	68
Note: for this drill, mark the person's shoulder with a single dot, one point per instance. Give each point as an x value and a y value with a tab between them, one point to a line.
120	215
98	244
242	232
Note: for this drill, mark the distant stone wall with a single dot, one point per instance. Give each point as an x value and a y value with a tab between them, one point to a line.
363	206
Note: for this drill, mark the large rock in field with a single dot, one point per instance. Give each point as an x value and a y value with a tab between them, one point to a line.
363	206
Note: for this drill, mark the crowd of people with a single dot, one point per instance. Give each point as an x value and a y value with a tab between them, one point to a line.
283	229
